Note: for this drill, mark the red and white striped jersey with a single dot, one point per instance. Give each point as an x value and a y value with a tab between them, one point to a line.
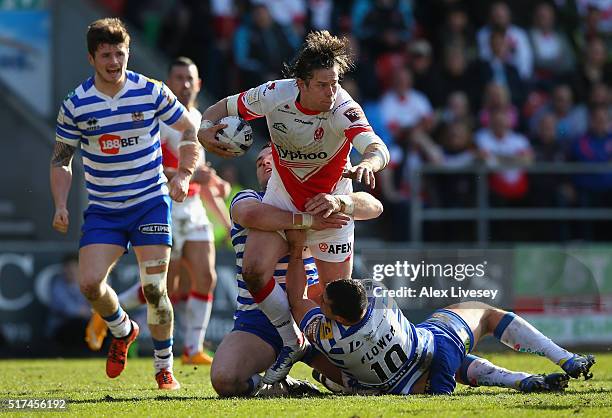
311	149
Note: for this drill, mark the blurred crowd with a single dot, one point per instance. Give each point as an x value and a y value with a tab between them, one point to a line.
446	82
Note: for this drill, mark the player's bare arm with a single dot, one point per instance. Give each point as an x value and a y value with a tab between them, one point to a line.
189	153
61	178
256	215
207	133
215	203
296	276
375	158
361	205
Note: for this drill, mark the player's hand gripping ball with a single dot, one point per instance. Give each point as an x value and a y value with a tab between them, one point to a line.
238	135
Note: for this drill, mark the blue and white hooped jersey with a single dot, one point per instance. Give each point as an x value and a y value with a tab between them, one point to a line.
239	236
119	139
383	353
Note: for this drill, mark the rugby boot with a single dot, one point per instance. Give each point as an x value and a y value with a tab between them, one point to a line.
199	359
287	357
166	380
578	365
95	332
117	352
287	387
554	382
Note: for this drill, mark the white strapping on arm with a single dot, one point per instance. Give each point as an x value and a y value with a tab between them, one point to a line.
364	139
232	105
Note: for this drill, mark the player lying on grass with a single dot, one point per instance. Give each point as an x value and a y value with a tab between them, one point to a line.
377	350
254	343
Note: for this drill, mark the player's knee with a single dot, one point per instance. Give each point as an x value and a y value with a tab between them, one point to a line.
153	277
252	271
226	383
92	290
492	317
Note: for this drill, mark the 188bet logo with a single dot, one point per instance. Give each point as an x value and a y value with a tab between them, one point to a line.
111	144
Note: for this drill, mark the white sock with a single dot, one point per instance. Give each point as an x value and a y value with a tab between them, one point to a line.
481	372
162	355
198	311
132	298
272	301
521	336
119	323
180	319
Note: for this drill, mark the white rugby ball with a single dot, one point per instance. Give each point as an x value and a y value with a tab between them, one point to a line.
238	134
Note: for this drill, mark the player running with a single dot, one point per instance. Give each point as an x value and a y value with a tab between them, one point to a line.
254	342
313	123
114	116
377	350
192	231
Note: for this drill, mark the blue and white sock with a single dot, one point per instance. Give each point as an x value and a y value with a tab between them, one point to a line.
119	323
521	336
477	371
162	355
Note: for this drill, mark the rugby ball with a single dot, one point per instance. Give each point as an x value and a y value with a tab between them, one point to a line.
238	134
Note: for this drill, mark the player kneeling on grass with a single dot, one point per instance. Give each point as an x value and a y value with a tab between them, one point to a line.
380	351
254	343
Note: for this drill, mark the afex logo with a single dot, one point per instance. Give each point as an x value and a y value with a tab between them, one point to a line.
110	144
336	248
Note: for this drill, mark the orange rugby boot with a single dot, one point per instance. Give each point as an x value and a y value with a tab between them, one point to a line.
95	332
199	358
166	381
117	353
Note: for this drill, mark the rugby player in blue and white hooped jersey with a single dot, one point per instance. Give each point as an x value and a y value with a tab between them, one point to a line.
376	350
114	117
254	343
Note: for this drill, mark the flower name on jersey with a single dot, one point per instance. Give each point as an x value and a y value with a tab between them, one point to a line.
336	248
381	344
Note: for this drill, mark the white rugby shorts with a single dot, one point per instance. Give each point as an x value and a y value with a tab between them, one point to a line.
189	223
332	245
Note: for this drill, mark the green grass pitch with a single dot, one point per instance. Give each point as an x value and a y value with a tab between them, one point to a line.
91	393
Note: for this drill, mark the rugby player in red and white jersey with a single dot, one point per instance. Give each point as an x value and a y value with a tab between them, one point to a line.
313	124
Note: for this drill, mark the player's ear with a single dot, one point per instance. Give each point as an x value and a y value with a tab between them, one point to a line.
90	58
301	84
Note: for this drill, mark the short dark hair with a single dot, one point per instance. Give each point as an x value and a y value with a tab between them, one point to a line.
266	145
321	50
180	62
110	30
347	298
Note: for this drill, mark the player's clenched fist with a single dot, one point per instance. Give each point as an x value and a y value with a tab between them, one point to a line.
178	187
60	220
362	172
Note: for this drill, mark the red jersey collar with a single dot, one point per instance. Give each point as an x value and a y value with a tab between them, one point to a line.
304	110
